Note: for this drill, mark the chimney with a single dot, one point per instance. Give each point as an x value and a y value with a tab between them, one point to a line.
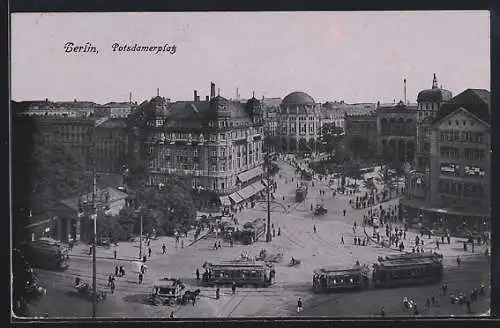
157	92
404	81
195	95
130	97
212	90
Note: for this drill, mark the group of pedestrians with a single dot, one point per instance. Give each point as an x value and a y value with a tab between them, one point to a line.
119	272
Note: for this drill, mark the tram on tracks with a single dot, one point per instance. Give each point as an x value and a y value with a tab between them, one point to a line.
252	231
243	274
335	279
388	272
301	193
407	269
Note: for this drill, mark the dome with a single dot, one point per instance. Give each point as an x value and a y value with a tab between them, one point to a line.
434	95
298	98
253	102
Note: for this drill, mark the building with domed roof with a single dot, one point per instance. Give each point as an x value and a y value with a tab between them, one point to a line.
299	122
216	142
454	190
429	101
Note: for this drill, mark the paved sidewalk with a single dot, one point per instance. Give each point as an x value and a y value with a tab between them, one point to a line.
129	250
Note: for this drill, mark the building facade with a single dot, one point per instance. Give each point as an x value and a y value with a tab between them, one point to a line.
299	122
115	109
77	133
216	142
428	103
455	189
397	130
361	127
73	218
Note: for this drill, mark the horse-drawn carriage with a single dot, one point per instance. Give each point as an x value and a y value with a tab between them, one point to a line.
166	291
84	289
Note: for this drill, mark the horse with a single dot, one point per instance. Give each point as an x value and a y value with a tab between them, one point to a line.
190	295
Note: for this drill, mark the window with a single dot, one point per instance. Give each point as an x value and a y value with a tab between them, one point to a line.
479	137
473	171
450	169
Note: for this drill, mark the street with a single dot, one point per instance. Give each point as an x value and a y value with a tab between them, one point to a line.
297	240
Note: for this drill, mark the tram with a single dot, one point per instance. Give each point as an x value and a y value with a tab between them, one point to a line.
243	274
335	279
407	269
301	193
46	253
252	231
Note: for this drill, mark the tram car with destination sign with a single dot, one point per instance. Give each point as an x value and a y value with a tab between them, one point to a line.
243	274
407	269
335	279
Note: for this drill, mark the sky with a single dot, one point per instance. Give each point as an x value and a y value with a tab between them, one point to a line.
349	56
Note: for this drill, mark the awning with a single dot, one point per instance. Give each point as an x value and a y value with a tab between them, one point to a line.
236	198
259	186
251	190
247	192
252	173
225	201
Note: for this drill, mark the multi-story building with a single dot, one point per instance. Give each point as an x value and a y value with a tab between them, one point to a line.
216	142
335	112
115	109
110	145
361	127
429	101
455	190
77	133
299	122
396	129
270	109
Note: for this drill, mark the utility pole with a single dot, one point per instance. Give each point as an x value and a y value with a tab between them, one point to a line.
268	187
94	218
140	241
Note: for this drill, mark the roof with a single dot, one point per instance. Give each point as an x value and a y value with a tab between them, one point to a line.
113	124
271	102
399	107
340	270
196	114
434	95
475	101
240	265
114	195
298	98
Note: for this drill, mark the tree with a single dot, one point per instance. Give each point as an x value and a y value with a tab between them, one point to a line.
369	185
303	145
358	145
386	177
169	207
331	135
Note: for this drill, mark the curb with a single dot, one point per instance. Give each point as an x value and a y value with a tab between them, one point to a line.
197	240
104	258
